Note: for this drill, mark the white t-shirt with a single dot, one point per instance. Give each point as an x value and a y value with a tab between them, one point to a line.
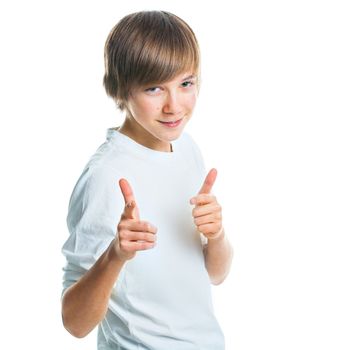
162	298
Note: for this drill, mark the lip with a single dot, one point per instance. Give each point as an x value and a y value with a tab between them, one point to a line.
171	124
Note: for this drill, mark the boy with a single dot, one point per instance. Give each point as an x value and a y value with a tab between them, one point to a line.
141	270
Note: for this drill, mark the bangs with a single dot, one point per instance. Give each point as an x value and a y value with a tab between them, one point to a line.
162	55
146	48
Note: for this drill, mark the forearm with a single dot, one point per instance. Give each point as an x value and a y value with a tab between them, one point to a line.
85	303
218	255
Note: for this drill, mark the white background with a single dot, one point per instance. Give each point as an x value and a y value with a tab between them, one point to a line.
268	118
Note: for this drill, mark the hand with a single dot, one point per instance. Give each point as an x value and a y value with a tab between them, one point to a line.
207	213
132	233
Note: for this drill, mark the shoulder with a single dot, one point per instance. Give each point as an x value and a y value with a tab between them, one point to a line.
95	197
192	144
105	156
187	141
102	167
186	138
97	181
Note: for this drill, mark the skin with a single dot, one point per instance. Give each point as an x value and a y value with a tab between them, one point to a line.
85	303
148	105
173	100
207	216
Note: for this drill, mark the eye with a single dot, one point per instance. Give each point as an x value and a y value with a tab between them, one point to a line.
152	89
188	82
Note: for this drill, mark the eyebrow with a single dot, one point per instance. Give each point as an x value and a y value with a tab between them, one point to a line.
189	77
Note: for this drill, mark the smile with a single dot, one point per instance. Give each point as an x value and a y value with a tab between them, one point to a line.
172	124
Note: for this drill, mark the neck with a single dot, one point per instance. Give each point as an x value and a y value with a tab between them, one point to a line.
135	131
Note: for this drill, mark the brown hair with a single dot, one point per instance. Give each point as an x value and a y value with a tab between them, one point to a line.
148	47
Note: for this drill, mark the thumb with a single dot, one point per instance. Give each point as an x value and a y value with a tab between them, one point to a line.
209	181
131	209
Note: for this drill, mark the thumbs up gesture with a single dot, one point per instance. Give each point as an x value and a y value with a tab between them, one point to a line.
207	213
133	234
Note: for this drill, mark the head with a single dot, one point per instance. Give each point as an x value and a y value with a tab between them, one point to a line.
152	50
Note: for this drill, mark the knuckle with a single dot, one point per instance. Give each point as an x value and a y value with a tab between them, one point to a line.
146	237
144	226
124	245
123	216
142	245
125	235
121	233
145	245
151	245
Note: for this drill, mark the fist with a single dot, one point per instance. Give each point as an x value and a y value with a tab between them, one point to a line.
133	234
207	214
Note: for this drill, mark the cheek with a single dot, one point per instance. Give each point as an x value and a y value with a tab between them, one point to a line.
144	109
190	101
151	106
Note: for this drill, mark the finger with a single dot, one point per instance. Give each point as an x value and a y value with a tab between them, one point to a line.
206	209
203	198
209	181
140	236
131	209
132	246
141	245
209	229
143	226
126	190
207	219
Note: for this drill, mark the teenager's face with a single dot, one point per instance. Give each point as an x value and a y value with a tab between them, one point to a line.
150	107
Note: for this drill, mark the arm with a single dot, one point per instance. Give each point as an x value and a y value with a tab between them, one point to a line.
84	304
207	214
218	254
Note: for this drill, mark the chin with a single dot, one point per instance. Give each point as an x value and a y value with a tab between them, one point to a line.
172	134
167	138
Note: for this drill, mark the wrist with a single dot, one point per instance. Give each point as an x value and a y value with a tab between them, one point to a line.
113	255
219	237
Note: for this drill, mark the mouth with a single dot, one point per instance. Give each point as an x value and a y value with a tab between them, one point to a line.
172	124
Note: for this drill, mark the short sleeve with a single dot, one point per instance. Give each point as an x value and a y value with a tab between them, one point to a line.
92	221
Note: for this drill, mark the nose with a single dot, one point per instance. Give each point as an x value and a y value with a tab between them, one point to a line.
172	104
